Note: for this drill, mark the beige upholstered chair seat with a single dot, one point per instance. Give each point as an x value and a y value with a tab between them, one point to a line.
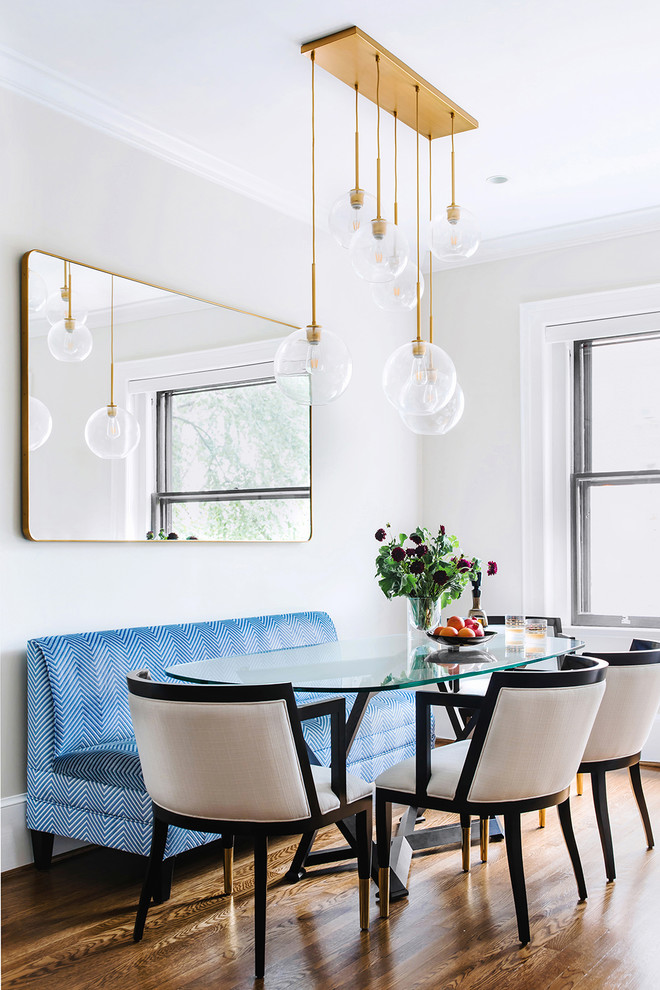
328	800
446	765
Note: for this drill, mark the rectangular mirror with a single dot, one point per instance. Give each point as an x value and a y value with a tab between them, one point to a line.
147	411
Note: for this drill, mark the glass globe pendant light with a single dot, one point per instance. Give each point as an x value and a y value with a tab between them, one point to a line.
379	250
69	339
354	207
40	423
446	418
313	365
37	291
454	237
111	432
401	293
419	378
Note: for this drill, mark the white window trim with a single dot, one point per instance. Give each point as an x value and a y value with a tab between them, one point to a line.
546	339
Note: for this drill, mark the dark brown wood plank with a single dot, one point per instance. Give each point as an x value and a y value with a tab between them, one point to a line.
72	927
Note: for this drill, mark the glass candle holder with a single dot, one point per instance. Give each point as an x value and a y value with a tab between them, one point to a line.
536	629
514	629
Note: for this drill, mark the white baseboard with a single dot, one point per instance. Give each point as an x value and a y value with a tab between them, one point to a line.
16	847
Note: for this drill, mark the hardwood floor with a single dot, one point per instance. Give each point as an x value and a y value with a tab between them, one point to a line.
71	928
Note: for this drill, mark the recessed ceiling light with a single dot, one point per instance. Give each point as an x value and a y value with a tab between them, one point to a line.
497	180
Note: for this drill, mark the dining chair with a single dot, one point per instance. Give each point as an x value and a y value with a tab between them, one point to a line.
524	751
622	726
232	760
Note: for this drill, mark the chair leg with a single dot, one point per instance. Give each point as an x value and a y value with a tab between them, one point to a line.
42	848
163	885
151	883
636	781
599	789
363	828
513	840
484	836
541	817
260	877
383	840
579	784
465	842
228	846
566	823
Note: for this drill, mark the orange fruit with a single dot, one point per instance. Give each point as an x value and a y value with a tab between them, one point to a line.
456	622
466	632
448	631
438	631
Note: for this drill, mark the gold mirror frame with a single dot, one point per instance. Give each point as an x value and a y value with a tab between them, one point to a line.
26	314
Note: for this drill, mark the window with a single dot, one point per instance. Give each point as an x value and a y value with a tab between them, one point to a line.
590	405
615	482
232	463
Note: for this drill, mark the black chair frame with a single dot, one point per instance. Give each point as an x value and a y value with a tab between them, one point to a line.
575	671
599	769
139	683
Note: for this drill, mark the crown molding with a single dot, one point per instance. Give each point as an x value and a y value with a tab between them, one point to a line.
561	237
58	92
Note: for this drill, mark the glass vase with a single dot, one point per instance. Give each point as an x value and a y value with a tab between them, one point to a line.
423	617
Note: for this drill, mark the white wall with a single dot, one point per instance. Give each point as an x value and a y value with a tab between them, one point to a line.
73	191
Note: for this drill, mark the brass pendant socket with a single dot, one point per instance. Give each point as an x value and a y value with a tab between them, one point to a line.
453	213
64	292
419	348
379	229
69	324
357	198
432	375
112	409
313	333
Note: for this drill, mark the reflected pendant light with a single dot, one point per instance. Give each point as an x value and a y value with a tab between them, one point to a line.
419	378
444	419
379	250
37	291
69	339
111	432
454	237
40	423
401	293
313	365
355	206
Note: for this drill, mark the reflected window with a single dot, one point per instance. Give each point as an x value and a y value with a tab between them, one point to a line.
232	462
616	480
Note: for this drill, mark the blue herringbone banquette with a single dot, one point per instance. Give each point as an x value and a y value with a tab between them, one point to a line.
84	776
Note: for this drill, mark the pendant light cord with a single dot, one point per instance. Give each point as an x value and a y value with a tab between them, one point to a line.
378	216
112	341
430	252
396	178
357	142
68	286
419	292
313	201
453	172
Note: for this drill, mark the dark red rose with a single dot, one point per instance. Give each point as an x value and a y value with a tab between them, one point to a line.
414	538
172	536
492	568
463	565
442	530
417	567
411	551
398	554
441	577
380	534
422	550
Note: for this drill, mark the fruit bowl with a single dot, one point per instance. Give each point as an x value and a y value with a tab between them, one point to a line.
460	642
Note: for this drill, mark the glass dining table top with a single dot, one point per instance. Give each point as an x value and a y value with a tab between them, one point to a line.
375	664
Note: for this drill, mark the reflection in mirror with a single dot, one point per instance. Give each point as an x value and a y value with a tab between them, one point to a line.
221	453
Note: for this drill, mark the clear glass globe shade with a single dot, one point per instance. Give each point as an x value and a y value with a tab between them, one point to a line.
456	239
379	251
311	373
112	437
349	212
37	291
439	422
58	309
419	384
401	293
69	345
40	423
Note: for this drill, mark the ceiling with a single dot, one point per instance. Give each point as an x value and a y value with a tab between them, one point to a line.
566	94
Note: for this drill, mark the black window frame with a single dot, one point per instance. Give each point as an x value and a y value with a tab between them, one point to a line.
165	497
584	479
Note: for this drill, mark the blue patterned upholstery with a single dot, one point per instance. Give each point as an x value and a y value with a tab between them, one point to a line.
84	775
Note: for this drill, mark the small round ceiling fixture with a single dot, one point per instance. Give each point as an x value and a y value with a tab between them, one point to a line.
497	180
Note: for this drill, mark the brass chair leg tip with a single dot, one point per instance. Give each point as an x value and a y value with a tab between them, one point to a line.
384	890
